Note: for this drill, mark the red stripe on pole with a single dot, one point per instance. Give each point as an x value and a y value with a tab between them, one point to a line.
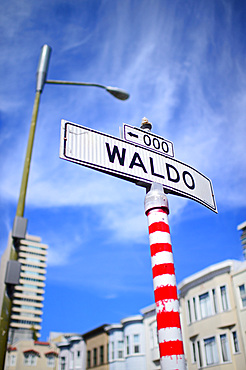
166	292
168	319
165	268
160	247
159	226
171	348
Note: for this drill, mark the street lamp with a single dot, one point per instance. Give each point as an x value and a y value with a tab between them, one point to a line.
41	81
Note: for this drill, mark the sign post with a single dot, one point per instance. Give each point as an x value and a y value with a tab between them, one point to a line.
147	160
164	280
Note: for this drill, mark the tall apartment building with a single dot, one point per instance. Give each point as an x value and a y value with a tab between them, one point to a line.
28	296
213	316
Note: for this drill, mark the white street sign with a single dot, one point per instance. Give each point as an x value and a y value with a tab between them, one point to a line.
133	163
151	141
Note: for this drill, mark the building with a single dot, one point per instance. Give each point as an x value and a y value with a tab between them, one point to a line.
33	354
127	344
152	352
213	316
96	342
72	352
243	237
28	296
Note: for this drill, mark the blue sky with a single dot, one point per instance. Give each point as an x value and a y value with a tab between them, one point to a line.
183	63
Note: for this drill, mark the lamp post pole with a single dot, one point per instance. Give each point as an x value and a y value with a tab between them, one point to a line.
41	81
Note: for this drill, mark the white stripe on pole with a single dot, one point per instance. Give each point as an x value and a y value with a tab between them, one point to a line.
173	362
166	279
167	306
170	333
159	236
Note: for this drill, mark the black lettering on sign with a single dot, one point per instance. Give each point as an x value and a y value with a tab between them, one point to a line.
111	156
164	147
139	163
190	182
147	140
153	170
156	143
172	175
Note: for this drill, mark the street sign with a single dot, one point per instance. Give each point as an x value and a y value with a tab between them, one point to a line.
133	163
148	140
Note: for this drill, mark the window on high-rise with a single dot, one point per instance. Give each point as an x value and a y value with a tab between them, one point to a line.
224	348
205	305
211	351
242	295
224	298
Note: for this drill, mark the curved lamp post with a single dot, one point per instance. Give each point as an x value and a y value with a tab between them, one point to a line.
41	81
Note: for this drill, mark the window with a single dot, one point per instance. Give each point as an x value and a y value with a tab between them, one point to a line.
71	360
242	295
215	301
224	299
199	353
194	306
120	348
211	351
153	335
112	350
12	359
224	348
193	351
127	345
235	342
78	359
30	359
136	343
88	359
205	306
189	311
101	355
63	363
94	356
51	361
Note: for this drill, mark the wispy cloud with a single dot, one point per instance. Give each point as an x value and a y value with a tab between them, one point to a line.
183	73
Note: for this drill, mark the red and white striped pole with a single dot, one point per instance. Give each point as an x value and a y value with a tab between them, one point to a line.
165	289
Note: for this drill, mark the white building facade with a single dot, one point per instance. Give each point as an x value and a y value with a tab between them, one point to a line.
72	352
127	344
213	309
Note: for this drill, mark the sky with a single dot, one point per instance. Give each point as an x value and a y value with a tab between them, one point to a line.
183	64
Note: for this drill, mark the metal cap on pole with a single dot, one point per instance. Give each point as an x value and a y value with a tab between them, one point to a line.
43	67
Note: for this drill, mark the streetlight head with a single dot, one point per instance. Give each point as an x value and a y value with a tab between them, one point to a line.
43	67
117	93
